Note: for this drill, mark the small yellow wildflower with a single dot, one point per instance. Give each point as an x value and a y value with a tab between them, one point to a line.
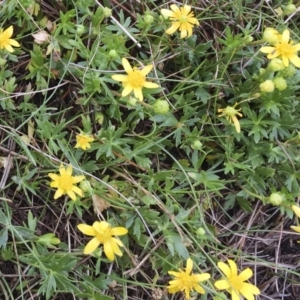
284	49
103	234
230	114
65	183
187	282
83	141
235	284
135	80
182	19
5	39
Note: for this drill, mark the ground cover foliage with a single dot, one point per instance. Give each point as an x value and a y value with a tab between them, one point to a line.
131	149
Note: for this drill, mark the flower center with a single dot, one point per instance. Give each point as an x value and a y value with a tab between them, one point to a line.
136	79
230	111
82	140
285	49
104	236
183	19
187	281
236	282
66	182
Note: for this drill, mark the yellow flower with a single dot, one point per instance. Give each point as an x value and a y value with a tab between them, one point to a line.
65	183
135	80
284	50
182	19
83	141
235	284
5	41
187	282
230	114
103	234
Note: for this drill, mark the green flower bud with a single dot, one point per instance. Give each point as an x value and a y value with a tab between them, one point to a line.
7	253
276	198
80	29
148	19
276	65
267	86
132	101
107	12
201	231
290	71
2	62
196	145
289	9
280	83
262	71
113	53
161	107
248	39
99	117
271	36
85	186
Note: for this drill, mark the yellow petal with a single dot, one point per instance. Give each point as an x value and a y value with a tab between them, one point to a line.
109	251
186	9
236	124
189	266
86	229
72	195
58	194
295	228
138	94
127	90
167	13
222	284
115	248
151	85
14	43
53	176
119	231
175	8
173	28
235	295
9	48
233	267
91	246
78	191
285	36
76	179
248	290
267	49
8	32
295	60
126	65
120	77
246	274
285	61
295	208
146	70
224	268
199	289
201	277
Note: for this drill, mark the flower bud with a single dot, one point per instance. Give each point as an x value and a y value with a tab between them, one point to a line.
276	65
132	101
99	117
113	53
201	231
107	12
161	107
289	9
2	62
290	71
276	199
148	18
79	29
267	86
85	186
280	83
271	36
196	145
